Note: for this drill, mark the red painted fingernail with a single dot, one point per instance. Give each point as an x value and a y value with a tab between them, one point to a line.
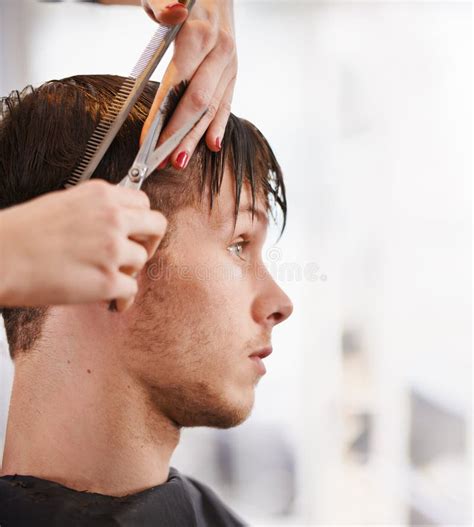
164	163
218	143
174	6
182	159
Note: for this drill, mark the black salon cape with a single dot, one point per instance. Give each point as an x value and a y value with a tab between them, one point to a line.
26	501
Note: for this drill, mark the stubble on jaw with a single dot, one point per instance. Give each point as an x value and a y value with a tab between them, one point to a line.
189	399
177	370
196	404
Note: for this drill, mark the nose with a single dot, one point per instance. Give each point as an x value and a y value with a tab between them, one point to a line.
282	313
272	305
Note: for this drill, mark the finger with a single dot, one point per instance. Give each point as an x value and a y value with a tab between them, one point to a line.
216	129
123	286
131	198
122	304
193	44
187	146
150	243
147	229
167	12
138	223
202	93
133	257
102	191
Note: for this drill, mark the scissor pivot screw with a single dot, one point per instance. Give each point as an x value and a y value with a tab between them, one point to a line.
135	174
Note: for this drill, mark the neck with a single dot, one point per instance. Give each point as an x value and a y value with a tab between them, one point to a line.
78	420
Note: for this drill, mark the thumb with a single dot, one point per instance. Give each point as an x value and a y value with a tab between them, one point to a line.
169	12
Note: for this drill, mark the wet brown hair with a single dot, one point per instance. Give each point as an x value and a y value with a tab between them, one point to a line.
44	131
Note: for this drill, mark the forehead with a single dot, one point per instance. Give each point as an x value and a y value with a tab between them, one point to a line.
223	207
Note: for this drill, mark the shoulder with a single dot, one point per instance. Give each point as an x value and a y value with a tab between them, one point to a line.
210	505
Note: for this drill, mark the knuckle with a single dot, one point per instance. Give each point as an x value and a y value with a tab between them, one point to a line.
100	187
226	106
111	252
199	99
226	42
211	111
113	216
204	35
97	190
161	223
144	197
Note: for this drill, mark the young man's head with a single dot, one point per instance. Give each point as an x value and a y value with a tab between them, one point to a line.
205	301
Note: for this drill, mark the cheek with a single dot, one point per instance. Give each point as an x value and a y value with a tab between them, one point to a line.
201	290
208	275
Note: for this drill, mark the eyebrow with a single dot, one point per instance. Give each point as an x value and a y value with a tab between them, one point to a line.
244	210
258	213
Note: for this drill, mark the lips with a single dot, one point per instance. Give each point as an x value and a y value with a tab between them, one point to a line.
264	352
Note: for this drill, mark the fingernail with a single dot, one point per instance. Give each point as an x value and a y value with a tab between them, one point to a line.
174	6
182	159
218	143
164	163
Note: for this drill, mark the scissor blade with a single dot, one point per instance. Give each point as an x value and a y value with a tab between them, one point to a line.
151	138
164	150
154	131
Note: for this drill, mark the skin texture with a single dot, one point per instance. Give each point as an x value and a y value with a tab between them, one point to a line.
178	357
77	245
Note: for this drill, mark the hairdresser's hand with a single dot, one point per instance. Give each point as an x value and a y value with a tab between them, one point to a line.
78	245
204	54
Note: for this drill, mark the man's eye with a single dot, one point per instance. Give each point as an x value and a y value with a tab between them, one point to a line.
238	248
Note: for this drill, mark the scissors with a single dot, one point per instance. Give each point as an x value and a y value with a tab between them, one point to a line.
148	158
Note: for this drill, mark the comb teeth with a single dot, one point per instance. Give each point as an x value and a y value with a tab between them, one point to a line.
149	51
95	140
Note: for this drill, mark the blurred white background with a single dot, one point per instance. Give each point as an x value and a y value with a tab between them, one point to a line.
365	414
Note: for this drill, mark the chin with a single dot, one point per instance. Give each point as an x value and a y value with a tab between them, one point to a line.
203	407
220	413
213	418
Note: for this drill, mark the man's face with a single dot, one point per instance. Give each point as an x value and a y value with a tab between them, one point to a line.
206	303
